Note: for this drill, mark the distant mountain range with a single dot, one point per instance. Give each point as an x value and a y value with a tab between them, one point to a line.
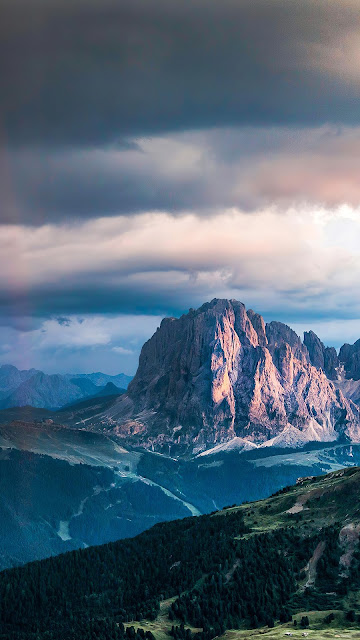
40	390
219	374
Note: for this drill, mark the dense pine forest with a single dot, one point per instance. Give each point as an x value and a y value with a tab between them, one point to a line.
116	582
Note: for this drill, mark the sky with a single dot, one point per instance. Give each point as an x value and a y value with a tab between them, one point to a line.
155	154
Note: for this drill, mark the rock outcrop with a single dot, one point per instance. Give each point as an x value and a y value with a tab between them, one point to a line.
349	356
321	357
220	373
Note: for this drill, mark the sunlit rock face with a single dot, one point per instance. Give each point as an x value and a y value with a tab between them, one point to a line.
218	373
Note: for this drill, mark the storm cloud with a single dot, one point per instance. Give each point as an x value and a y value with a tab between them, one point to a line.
198	172
121	107
155	154
94	73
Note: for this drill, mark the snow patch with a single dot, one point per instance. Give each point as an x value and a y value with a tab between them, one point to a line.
293	437
236	444
63	530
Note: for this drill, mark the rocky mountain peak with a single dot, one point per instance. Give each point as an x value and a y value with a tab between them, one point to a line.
218	373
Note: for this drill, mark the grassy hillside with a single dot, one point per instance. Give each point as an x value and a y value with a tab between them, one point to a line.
313	502
243	571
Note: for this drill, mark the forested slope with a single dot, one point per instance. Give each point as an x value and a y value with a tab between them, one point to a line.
244	567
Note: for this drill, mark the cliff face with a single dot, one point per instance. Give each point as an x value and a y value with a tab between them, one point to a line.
321	357
218	373
349	356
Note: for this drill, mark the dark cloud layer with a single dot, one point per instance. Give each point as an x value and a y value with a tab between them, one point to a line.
124	106
92	73
202	172
136	136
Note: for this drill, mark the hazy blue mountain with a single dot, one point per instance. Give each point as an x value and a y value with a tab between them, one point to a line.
101	379
39	390
43	391
85	385
11	378
110	389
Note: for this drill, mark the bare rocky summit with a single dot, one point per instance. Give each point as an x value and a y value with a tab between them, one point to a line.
219	373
